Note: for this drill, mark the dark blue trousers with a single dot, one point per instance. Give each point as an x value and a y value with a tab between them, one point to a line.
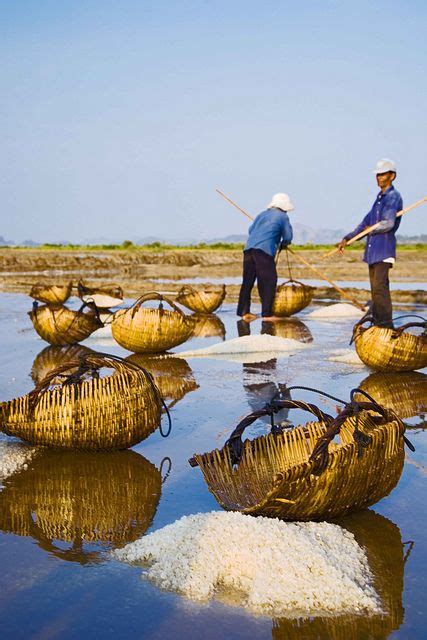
260	266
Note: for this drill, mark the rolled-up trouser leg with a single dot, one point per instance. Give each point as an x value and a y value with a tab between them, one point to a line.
266	274
380	290
249	275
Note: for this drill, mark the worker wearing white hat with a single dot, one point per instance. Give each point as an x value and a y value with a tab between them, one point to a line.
269	230
380	249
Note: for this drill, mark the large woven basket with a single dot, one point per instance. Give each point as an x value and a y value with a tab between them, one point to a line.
292	296
173	376
51	293
104	297
293	329
381	540
51	358
87	411
151	330
208	326
94	502
388	350
405	393
60	326
300	474
206	300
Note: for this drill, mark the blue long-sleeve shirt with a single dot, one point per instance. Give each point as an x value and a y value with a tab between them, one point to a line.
381	243
269	229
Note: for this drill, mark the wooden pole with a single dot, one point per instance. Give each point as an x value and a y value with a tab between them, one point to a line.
371	228
300	258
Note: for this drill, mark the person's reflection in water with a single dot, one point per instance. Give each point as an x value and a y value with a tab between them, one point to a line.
260	388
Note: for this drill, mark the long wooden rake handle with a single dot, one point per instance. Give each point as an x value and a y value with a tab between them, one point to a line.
372	227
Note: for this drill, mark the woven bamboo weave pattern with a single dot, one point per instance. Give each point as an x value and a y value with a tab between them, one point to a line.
81	498
61	326
277	478
206	300
405	393
86	411
388	350
151	330
51	294
291	296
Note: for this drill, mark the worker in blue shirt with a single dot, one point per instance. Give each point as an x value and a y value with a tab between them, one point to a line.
270	230
380	249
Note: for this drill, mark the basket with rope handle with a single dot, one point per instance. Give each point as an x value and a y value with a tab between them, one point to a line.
84	410
384	349
81	498
51	293
151	330
104	296
61	326
300	473
291	296
203	301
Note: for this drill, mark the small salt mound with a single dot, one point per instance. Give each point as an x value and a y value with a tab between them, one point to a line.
275	567
336	312
14	456
264	344
348	356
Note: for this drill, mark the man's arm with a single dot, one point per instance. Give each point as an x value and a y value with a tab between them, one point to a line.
358	229
393	204
287	233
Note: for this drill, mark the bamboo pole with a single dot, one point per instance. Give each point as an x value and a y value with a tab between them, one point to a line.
372	227
300	258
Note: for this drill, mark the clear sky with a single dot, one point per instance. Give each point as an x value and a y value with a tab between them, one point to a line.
118	119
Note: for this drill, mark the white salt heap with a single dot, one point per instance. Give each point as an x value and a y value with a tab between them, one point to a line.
348	356
14	456
336	312
259	344
278	568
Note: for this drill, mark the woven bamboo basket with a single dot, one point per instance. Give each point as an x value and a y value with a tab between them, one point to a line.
291	296
173	376
81	498
51	358
300	474
208	326
382	542
389	350
293	329
86	411
405	393
206	300
51	293
104	297
149	330
61	326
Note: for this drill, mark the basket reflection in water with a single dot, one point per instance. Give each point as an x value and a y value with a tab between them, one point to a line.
173	376
94	502
382	542
84	410
206	300
405	393
52	357
292	329
208	326
60	326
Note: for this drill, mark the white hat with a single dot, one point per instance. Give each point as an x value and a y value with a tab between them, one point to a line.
281	201
385	165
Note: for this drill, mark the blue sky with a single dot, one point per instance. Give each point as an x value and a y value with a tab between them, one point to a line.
119	119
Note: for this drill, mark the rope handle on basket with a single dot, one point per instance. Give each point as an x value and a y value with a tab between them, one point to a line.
396	331
292	281
153	295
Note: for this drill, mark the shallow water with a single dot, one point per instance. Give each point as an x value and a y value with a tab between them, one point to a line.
57	579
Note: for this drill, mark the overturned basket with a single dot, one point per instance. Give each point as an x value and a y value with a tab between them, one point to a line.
206	300
60	326
291	296
84	410
104	297
301	474
151	330
388	350
405	393
93	502
51	293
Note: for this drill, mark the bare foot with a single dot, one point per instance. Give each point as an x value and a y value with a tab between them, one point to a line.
248	317
272	318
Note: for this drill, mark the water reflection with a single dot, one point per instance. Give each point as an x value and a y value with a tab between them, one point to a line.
77	505
208	326
290	328
405	393
387	555
173	376
51	358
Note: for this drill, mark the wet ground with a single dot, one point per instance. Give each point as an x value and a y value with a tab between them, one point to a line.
69	510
